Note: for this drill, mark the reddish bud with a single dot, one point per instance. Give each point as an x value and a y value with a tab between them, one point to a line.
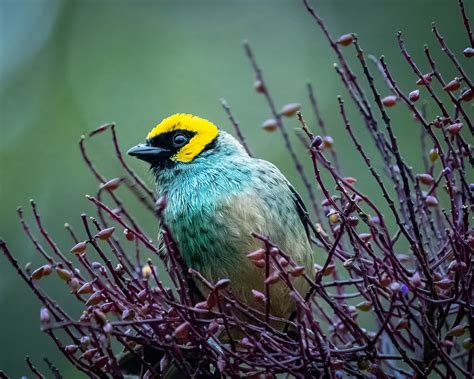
257	254
79	248
414	95
106	307
328	142
425	179
71	349
74	283
444	283
63	273
468	52
349	180
182	330
101	361
128	314
37	274
345	39
222	284
213	328
401	324
353	221
100	317
259	87
89	354
453	85
86	288
467	95
455	128
260	263
273	277
95	299
259	296
389	101
290	109
431	201
128	235
424	80
283	262
105	234
297	271
44	316
270	125
365	237
112	184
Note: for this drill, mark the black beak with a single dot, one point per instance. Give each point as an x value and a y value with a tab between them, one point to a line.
147	153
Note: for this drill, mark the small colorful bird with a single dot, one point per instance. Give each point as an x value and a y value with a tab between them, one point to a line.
217	195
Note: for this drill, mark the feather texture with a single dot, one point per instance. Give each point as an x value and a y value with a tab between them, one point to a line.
217	201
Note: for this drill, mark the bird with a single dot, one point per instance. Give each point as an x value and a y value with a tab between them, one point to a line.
218	195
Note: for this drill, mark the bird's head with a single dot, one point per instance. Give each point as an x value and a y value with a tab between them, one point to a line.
179	138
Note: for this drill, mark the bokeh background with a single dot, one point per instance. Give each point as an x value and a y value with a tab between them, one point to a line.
69	66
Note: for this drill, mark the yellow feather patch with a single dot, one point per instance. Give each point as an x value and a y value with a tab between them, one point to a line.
205	132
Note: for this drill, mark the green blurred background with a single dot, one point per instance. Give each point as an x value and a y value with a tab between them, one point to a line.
69	66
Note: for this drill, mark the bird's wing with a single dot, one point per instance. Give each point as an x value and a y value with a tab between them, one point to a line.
302	211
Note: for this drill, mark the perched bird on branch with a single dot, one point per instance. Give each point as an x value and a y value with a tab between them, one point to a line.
217	196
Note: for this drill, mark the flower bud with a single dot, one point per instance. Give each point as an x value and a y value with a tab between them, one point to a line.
259	296
345	39
414	95
434	155
365	237
79	248
424	80
95	299
297	271
182	331
222	284
45	318
467	95
290	109
431	201
257	254
453	85
456	331
86	288
63	273
270	125
425	179
328	142
273	277
364	306
128	234
106	233
389	101
112	184
455	128
468	52
71	349
260	263
259	87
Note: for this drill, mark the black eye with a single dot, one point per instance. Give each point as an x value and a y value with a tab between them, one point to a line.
179	140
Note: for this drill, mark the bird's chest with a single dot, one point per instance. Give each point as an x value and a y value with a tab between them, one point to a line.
198	220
